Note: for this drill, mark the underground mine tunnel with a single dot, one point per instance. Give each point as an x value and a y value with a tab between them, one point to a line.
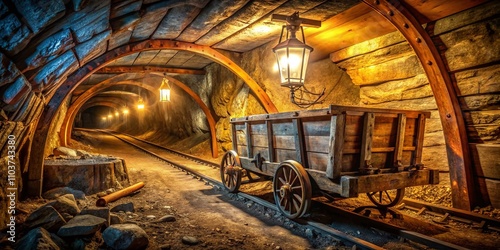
248	124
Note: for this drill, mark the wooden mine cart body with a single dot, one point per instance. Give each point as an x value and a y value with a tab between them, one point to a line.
346	150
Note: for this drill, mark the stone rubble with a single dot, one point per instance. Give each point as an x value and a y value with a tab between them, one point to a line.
61	224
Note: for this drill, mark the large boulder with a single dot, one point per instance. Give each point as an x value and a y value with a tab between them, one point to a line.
125	237
101	212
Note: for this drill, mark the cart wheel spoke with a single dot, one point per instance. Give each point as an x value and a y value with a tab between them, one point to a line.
293	181
386	198
230	171
297	207
282	181
293	189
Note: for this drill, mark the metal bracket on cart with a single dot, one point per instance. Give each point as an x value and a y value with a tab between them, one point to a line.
258	161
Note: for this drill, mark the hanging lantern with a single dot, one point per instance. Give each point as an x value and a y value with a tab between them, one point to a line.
165	91
140	104
293	56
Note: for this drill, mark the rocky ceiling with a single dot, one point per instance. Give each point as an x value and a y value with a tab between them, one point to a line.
240	26
47	40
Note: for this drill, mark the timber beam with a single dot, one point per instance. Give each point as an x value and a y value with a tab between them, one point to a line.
446	99
147	69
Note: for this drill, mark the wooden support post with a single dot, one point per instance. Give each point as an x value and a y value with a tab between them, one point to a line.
270	141
337	131
366	144
419	137
331	147
235	138
454	130
248	131
299	142
398	149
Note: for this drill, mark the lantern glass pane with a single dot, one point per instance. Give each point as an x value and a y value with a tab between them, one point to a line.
164	95
292	63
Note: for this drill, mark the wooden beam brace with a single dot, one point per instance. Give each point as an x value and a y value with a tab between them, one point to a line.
455	134
146	69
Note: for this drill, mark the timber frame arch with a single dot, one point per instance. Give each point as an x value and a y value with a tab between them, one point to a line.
36	161
67	126
450	113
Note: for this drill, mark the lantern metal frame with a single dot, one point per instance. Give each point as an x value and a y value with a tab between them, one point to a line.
299	94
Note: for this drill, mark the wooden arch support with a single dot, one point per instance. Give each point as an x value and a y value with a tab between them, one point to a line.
446	99
67	125
35	170
206	110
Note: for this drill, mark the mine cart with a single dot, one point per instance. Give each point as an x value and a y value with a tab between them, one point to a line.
340	151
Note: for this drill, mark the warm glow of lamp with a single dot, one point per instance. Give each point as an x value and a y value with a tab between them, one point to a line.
140	104
117	114
125	111
104	118
110	116
165	91
292	58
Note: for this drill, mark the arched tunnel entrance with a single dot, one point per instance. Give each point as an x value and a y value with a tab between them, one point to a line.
70	66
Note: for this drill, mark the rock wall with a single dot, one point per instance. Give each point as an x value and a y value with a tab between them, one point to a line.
470	42
390	76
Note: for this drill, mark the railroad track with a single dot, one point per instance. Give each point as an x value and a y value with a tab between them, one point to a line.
443	214
398	232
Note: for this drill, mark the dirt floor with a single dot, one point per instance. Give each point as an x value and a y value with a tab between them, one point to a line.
212	216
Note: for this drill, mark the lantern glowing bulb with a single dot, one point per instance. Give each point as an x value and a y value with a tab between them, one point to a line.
125	111
140	106
110	116
103	118
117	114
164	91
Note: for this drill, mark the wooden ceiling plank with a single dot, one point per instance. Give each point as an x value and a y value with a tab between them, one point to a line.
437	9
145	57
213	13
249	14
144	69
264	30
176	21
162	58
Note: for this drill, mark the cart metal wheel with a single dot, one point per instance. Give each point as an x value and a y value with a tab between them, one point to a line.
387	198
230	171
292	189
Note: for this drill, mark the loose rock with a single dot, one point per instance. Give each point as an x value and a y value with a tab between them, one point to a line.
46	217
65	204
125	237
126	207
40	238
115	219
190	240
167	218
56	192
81	225
101	212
